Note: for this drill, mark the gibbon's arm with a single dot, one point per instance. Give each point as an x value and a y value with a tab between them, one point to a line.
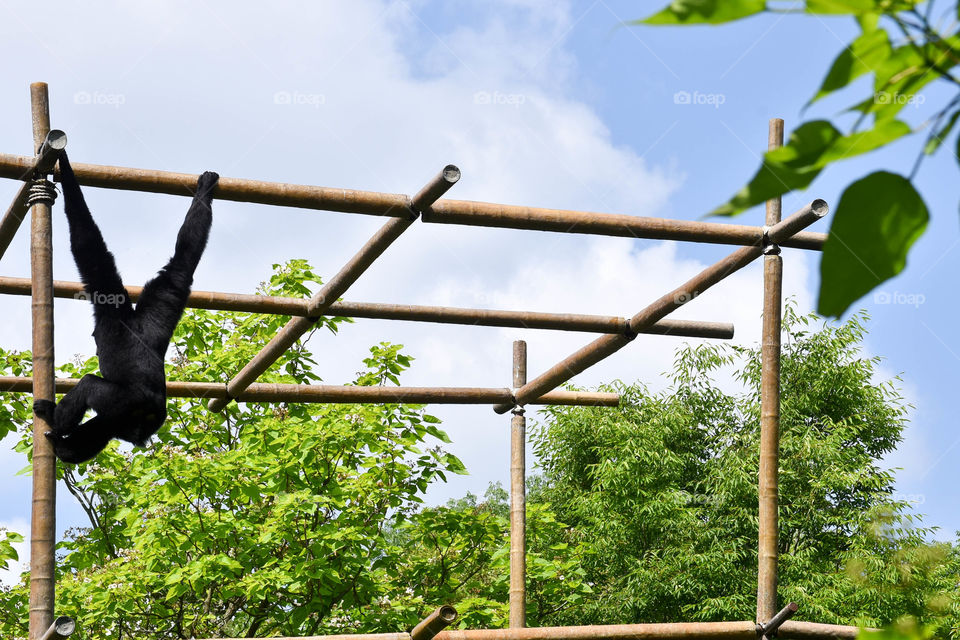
98	270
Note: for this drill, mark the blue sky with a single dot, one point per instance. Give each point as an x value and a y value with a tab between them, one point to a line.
538	102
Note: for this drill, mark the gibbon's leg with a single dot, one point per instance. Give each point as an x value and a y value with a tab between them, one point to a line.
92	392
98	270
85	441
165	296
78	441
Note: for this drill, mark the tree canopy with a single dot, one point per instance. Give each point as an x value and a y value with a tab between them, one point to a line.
302	519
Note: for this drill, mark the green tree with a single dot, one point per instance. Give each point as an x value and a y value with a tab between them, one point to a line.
267	519
906	45
666	490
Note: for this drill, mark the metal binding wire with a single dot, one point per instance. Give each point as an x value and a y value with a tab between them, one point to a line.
41	191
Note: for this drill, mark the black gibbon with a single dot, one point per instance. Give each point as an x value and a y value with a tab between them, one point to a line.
129	397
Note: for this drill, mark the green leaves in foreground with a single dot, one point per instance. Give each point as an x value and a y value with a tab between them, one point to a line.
812	146
877	221
704	12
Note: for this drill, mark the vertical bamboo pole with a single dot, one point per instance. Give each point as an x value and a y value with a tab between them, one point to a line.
518	496
43	508
770	408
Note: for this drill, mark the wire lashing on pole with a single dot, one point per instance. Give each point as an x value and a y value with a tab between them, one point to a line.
41	191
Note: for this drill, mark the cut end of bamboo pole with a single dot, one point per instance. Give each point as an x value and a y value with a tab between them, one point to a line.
435	189
62	627
820	207
434	623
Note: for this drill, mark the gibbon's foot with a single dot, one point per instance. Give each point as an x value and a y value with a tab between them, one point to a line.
45	409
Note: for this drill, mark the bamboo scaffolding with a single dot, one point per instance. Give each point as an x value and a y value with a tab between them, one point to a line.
607	345
740	630
54	141
463	212
518	496
409	312
402	211
770	407
323	299
43	519
344	394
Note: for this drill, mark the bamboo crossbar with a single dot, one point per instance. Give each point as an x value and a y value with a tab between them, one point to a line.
741	630
608	345
344	394
414	313
463	212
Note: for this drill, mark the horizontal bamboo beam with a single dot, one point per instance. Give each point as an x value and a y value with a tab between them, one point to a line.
409	312
41	164
464	212
745	630
608	345
343	394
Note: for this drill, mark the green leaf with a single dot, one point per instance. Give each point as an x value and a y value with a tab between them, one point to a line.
877	221
863	55
841	6
812	146
704	12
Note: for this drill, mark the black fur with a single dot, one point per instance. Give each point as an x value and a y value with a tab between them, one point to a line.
130	397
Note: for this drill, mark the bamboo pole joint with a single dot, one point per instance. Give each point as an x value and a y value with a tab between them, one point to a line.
769	629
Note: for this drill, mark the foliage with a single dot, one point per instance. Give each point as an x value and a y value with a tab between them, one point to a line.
263	520
666	490
905	49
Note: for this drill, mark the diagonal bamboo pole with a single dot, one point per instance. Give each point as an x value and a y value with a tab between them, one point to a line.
770	407
464	212
43	519
610	344
324	298
409	312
